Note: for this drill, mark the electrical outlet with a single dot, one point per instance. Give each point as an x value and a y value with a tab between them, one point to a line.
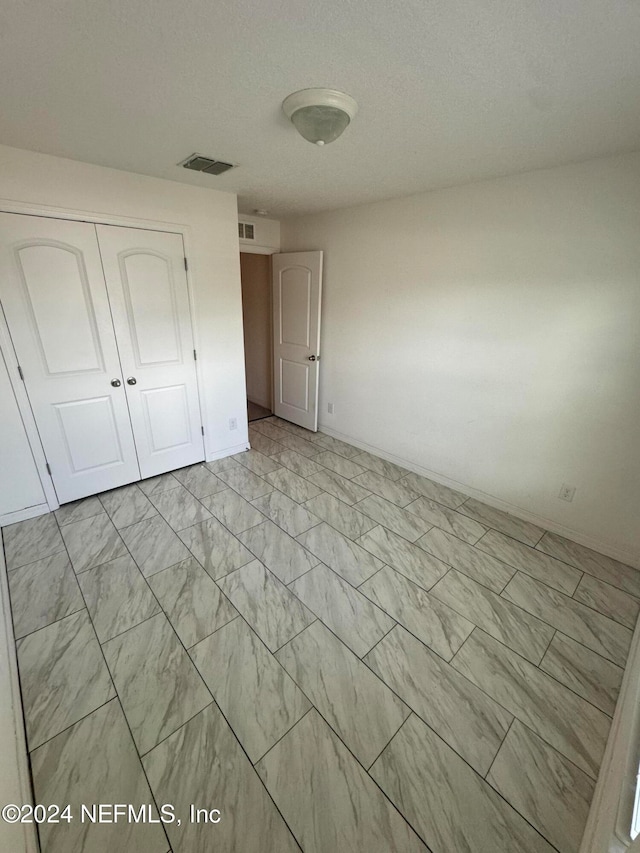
233	423
567	492
330	408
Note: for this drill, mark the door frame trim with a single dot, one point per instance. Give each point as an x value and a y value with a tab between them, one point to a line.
6	345
29	423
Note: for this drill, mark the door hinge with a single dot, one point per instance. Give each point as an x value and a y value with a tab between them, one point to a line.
186	265
195	355
202	430
48	469
20	373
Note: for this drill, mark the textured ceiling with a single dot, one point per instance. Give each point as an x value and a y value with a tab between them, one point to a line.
449	91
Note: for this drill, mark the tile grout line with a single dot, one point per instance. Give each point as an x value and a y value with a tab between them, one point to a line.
131	627
410	710
595	609
215	631
119	489
532	548
555	631
292	538
339	737
297	634
20	688
463	571
318	618
306	572
570	689
235	736
142	755
426	588
284	530
544	533
482	690
526	819
117	695
33	562
384	793
42	627
330	472
493	760
160	612
102	651
471	768
505	601
277	580
417	713
513	716
536	666
586	648
561	630
213	701
402	625
377	642
311	708
383	566
75	723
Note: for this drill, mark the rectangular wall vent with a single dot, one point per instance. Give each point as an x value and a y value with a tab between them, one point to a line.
198	163
246	231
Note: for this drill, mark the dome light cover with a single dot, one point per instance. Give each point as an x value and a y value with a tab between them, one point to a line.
320	115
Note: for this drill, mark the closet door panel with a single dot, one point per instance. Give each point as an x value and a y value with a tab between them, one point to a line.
147	287
54	296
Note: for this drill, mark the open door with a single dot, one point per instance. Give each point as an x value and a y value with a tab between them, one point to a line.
297	293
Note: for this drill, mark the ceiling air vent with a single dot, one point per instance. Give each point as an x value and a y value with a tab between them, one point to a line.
198	163
246	231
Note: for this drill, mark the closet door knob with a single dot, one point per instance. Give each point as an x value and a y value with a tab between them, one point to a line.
116	383
131	380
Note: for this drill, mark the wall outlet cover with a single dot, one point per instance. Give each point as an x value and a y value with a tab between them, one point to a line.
330	408
233	423
567	492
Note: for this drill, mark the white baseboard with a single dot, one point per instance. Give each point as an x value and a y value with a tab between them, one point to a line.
611	550
228	451
15	782
607	827
23	514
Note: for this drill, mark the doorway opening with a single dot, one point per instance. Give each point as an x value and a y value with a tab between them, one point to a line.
255	277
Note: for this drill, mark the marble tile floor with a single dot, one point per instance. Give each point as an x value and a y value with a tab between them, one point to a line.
334	652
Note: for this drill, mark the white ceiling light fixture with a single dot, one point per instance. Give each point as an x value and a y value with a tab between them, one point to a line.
320	115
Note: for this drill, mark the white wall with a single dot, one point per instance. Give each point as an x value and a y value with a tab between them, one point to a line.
491	335
212	247
255	273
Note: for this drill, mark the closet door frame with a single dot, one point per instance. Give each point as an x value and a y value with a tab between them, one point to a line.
33	436
9	206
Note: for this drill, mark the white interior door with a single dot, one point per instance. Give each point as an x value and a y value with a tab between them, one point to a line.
297	295
147	285
53	293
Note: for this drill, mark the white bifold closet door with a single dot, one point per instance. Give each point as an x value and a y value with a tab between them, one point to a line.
86	316
147	286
